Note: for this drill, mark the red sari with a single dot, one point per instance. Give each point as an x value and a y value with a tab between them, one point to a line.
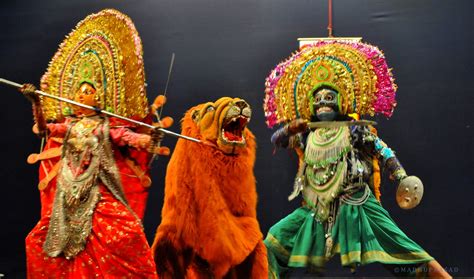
116	245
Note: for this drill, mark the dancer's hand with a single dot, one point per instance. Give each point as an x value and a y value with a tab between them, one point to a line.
297	126
28	90
162	122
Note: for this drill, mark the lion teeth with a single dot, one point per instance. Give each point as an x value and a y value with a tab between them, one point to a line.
234	126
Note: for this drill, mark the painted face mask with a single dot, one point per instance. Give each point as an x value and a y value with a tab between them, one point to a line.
86	94
325	104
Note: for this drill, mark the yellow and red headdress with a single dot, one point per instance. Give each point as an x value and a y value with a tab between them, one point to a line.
358	71
104	50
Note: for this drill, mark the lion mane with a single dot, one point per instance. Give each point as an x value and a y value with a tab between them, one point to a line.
209	226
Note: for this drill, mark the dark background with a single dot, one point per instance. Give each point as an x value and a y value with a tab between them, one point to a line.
227	48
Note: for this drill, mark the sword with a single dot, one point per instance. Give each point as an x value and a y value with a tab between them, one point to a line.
167	83
336	124
98	110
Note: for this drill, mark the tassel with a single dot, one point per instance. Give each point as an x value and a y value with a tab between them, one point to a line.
329	244
297	188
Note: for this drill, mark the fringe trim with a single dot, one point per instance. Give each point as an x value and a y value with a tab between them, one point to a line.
321	151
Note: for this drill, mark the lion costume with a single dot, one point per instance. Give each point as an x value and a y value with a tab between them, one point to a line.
209	226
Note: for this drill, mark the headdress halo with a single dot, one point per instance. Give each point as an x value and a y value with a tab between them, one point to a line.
358	71
104	50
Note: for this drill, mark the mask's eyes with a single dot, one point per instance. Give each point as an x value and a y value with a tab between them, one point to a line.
329	97
317	99
209	109
195	115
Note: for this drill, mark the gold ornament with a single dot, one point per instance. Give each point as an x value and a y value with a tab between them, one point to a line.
104	50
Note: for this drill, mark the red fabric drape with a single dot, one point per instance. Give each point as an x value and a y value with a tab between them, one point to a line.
116	247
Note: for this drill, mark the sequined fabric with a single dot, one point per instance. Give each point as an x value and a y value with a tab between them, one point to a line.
87	157
116	247
115	244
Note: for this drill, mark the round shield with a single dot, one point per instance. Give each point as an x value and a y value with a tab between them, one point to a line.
409	192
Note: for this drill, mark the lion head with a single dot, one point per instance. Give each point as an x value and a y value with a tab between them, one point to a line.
223	123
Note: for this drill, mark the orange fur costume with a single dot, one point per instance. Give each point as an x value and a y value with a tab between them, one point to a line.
209	227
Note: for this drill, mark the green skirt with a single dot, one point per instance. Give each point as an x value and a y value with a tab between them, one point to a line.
362	234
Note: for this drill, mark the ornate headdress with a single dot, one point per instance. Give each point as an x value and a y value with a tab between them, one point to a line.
358	71
105	51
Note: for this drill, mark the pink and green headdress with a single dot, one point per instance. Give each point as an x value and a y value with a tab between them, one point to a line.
357	71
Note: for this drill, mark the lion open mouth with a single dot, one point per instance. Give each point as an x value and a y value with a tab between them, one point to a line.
233	127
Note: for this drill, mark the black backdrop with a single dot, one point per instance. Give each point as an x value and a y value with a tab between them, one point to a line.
226	48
